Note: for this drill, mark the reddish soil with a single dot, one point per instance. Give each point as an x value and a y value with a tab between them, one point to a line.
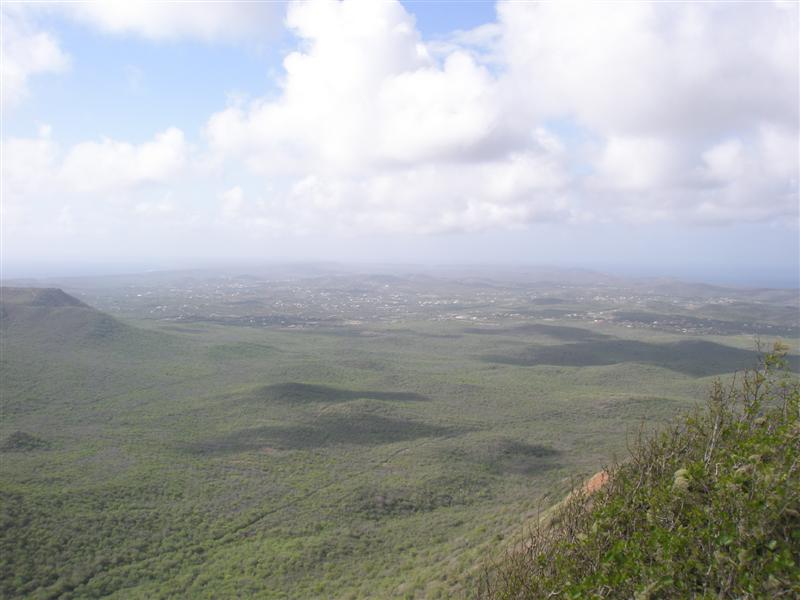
597	481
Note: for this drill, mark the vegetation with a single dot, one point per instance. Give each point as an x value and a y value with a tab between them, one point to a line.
19	441
178	438
710	507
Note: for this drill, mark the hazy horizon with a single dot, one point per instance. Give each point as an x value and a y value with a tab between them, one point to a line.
756	277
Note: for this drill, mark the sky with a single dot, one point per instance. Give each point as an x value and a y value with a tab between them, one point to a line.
629	136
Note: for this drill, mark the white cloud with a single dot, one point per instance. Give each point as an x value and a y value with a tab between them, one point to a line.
95	192
26	52
374	133
328	110
28	165
724	162
635	163
693	109
780	151
558	112
433	112
429	198
232	202
687	114
648	68
98	183
155	208
176	20
733	181
111	165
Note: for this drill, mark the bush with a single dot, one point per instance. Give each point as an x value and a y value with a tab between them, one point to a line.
710	507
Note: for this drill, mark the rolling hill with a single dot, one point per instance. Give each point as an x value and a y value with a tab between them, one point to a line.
178	437
50	314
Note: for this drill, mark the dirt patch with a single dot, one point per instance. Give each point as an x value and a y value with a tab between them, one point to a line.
595	482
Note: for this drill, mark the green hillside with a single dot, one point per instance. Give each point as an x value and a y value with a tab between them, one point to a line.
207	438
50	314
709	508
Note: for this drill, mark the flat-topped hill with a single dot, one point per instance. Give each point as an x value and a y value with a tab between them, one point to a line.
26	296
51	313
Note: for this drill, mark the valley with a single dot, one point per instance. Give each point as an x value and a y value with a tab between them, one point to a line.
331	432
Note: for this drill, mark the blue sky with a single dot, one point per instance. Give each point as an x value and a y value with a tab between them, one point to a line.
620	136
128	86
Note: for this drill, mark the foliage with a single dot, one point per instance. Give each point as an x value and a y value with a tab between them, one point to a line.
710	507
19	441
304	458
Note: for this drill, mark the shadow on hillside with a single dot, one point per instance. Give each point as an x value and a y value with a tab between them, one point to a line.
546	301
423	334
697	358
21	441
559	332
293	393
325	431
521	458
511	456
510	448
724	327
542	313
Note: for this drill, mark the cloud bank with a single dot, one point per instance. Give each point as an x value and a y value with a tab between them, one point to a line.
645	112
26	51
557	112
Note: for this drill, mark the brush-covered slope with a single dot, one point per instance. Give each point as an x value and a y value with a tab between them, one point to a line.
52	297
57	350
709	508
53	315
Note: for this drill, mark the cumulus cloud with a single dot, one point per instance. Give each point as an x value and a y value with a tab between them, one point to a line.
648	68
635	163
111	165
687	104
685	112
92	189
154	209
232	202
557	112
375	132
175	20
91	182
433	198
27	51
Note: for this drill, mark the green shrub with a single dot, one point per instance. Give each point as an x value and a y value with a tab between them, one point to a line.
710	507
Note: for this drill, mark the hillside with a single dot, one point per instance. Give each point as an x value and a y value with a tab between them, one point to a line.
361	437
54	315
31	296
57	350
710	507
